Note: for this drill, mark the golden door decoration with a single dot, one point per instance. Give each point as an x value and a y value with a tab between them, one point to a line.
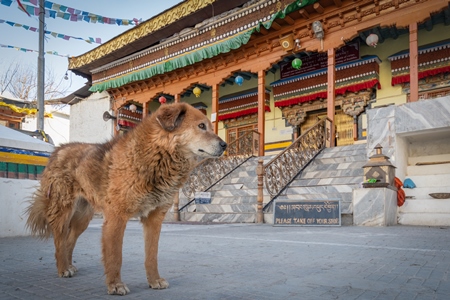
310	120
343	123
344	129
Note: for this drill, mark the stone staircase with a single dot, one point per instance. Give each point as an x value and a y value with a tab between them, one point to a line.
333	174
233	199
420	208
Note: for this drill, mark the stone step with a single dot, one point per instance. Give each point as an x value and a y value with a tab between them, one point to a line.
324	189
233	193
425	206
426	219
332	174
437	180
423	192
413	160
357	165
428	169
225	208
219	218
352	181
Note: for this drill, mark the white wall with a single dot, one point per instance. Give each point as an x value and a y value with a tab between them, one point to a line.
57	126
14	197
86	120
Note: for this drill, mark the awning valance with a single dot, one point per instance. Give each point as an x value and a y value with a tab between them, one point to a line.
241	104
433	59
350	77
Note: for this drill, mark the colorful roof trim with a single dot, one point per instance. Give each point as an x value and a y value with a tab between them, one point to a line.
192	57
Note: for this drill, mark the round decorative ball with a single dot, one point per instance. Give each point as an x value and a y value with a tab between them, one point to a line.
239	80
297	63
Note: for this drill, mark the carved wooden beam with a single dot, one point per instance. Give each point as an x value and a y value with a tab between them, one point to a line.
304	13
318	7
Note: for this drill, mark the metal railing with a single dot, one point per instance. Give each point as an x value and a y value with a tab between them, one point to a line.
279	172
211	170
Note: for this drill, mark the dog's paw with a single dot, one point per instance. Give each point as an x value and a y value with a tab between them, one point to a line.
159	284
70	272
118	289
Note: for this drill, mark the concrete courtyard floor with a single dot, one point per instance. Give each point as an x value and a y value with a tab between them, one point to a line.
244	261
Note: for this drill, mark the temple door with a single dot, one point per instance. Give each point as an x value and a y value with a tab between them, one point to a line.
344	129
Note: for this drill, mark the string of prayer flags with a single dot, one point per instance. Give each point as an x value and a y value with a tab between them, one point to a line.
54	10
89	40
30	50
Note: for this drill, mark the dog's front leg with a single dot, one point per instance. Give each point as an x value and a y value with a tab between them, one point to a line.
152	229
112	240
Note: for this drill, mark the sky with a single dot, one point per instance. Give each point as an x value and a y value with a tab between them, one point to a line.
22	38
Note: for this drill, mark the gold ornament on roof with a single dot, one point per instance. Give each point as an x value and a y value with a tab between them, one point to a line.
146	28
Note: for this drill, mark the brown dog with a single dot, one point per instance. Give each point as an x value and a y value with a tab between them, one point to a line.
134	175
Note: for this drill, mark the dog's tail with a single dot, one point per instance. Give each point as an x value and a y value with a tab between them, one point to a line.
37	221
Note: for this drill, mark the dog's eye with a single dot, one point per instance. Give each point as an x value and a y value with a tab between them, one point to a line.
202	126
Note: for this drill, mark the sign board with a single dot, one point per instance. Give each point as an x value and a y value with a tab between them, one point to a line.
307	213
318	61
202	197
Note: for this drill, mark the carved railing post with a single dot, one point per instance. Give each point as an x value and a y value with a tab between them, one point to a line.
260	199
283	168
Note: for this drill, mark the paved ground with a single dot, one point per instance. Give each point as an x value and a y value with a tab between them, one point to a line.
238	261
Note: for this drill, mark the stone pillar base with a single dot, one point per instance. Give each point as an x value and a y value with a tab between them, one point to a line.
374	207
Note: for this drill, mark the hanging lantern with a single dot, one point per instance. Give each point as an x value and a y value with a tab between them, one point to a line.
162	100
197	91
372	40
239	80
132	108
297	63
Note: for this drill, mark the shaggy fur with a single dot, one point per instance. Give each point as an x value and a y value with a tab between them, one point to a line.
134	175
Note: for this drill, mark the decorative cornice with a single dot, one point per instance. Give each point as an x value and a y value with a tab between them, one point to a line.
172	15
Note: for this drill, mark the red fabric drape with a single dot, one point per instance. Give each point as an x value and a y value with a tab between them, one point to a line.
323	94
405	78
241	113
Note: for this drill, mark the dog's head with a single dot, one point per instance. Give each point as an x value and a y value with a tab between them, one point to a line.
192	129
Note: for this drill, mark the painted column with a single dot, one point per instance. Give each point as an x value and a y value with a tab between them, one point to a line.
413	63
261	109
177	98
331	94
144	110
215	107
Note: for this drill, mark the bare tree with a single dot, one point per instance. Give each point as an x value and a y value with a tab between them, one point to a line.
21	82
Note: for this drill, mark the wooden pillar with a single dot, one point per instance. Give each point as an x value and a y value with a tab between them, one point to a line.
215	107
355	128
413	63
261	110
177	98
144	110
331	93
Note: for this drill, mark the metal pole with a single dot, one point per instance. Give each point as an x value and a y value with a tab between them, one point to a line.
41	68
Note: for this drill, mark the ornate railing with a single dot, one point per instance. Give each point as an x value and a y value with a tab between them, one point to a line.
283	168
211	170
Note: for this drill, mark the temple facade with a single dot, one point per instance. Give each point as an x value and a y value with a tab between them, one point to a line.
281	81
276	66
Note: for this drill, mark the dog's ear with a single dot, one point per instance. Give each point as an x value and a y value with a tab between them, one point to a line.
170	116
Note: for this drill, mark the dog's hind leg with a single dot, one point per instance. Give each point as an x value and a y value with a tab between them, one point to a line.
78	224
112	239
60	229
152	229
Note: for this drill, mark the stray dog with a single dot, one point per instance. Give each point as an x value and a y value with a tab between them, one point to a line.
134	175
